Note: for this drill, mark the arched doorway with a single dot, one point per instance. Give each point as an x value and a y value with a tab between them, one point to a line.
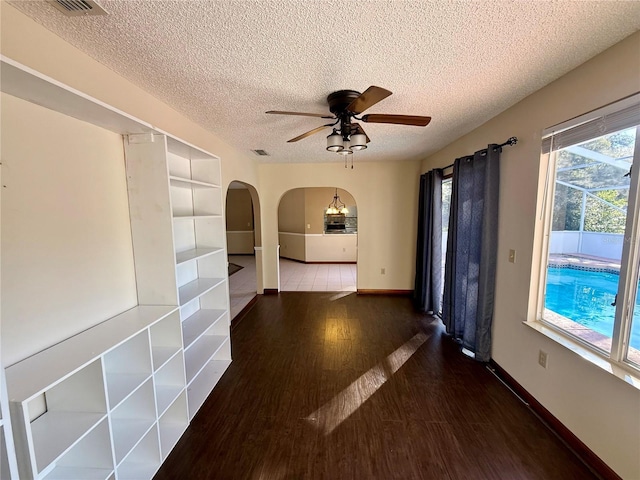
242	217
318	245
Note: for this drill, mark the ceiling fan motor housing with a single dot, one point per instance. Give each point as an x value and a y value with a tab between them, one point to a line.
340	100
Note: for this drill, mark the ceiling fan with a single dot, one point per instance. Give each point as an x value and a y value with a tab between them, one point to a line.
345	106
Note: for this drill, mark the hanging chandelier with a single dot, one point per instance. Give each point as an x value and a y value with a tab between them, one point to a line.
337	206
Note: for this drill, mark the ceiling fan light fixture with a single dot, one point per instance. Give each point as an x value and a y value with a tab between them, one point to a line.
346	148
334	142
358	141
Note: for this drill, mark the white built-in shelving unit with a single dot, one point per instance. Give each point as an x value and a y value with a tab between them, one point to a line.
8	465
111	402
177	188
82	414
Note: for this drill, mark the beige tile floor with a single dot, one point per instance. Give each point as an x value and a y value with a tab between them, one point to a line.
242	284
302	277
294	277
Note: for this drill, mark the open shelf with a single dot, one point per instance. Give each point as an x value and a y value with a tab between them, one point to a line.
162	355
197	356
39	372
172	424
89	459
195	254
196	288
120	385
166	339
126	367
187	183
197	324
132	419
201	387
195	217
144	460
169	383
54	432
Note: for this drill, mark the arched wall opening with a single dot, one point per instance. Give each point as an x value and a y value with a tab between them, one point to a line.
244	244
318	246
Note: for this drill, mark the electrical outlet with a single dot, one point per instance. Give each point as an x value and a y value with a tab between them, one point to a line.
512	256
382	271
542	359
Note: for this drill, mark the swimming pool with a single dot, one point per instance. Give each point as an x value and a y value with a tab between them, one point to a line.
585	297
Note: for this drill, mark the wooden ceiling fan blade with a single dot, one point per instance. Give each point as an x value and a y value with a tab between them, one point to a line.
301	114
415	120
309	133
368	98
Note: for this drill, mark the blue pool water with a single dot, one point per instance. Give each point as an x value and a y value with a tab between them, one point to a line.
586	297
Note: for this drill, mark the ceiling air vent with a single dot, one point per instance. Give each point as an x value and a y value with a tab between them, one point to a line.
261	153
73	8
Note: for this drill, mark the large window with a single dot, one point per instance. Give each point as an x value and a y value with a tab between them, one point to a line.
591	261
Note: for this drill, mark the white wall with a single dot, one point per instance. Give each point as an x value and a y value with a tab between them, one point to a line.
331	248
606	245
386	215
240	242
602	410
66	239
319	247
564	242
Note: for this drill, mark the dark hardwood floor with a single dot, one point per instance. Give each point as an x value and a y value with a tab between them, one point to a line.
360	387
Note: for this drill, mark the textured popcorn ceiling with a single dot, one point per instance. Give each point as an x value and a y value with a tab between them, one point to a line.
224	63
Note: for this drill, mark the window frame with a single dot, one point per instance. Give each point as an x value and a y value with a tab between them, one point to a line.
630	260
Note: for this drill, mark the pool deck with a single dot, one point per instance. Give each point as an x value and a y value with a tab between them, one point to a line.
584	262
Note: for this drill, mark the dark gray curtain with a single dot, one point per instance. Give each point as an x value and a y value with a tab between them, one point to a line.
470	266
427	292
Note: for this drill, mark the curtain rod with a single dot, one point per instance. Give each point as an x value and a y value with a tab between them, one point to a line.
510	142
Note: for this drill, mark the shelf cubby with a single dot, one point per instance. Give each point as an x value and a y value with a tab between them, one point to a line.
72	408
192	164
199	232
200	352
211	266
127	366
197	288
180	182
89	459
173	423
201	387
166	340
194	326
169	383
196	254
195	202
8	464
132	419
144	460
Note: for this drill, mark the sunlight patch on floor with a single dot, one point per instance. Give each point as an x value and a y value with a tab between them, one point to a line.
340	295
340	407
272	472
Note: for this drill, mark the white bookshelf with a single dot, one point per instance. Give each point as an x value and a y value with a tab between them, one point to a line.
86	422
175	188
8	465
112	401
201	267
